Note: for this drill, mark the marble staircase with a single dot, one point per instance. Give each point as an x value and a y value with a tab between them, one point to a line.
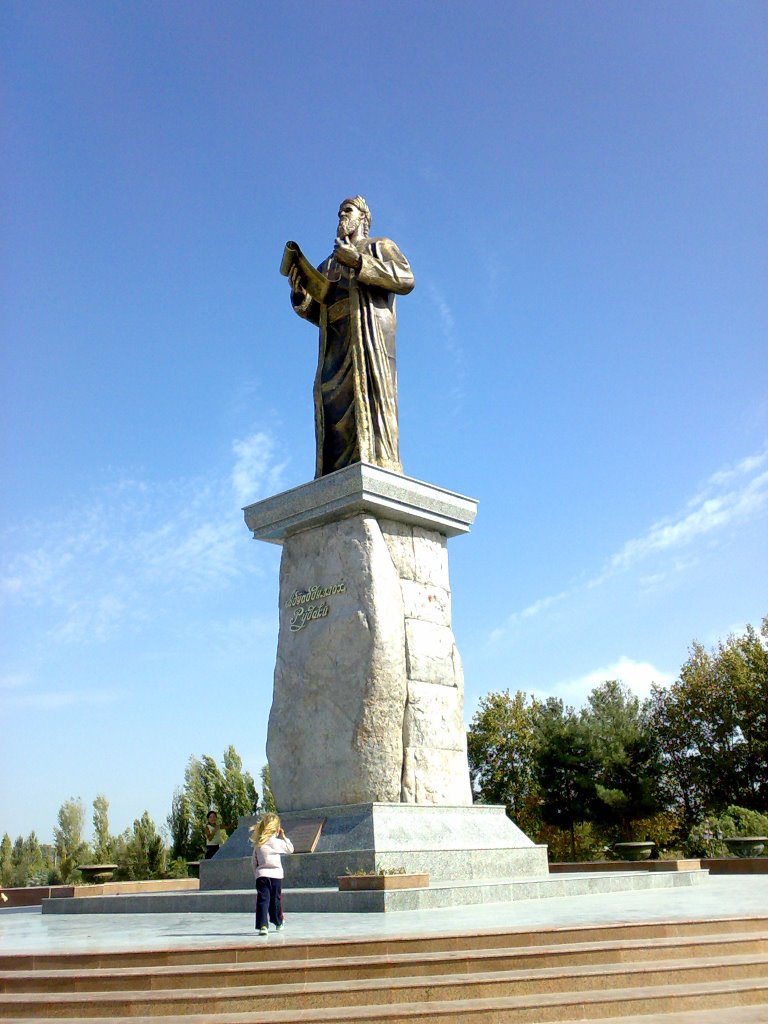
682	972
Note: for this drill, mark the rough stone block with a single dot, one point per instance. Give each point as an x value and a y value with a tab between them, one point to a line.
431	653
335	728
426	602
430	553
435	776
399	539
434	717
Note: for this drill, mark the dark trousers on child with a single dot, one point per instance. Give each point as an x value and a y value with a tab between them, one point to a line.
269	901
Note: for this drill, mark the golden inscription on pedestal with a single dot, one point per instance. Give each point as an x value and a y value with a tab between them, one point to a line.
310	604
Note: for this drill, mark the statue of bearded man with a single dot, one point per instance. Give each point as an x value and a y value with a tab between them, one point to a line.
356	381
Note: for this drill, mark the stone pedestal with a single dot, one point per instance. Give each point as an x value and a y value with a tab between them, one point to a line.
366	729
452	844
368	703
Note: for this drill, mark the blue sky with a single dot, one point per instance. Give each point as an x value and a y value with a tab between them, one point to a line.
580	189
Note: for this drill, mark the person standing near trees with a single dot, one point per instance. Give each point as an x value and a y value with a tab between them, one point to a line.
214	836
269	843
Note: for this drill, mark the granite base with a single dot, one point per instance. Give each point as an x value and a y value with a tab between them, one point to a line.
448	843
330	900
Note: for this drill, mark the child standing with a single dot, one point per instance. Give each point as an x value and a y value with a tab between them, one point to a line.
214	836
269	842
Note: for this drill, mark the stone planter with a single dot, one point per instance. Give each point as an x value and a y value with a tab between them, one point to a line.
97	872
746	846
634	851
358	883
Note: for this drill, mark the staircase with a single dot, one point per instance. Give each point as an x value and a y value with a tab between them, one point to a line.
691	972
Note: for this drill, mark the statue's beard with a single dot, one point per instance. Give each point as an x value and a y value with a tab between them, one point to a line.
346	226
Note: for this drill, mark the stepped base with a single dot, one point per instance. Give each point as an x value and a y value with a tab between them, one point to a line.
448	843
679	972
330	900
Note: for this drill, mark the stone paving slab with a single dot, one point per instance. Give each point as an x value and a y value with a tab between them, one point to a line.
725	896
331	900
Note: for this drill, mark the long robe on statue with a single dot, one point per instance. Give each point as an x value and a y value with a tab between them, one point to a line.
356	382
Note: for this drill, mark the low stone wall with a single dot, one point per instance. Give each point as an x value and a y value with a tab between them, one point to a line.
715	865
626	865
33	895
128	888
736	865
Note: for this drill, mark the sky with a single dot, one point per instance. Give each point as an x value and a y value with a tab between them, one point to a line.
580	188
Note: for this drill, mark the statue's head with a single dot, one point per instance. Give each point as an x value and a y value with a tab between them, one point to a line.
354	217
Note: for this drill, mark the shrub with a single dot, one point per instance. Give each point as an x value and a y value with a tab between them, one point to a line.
705	838
589	842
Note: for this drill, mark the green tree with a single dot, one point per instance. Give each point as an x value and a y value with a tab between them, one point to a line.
6	861
144	855
71	850
670	717
180	827
268	805
565	767
230	791
102	841
712	725
235	792
28	865
629	768
501	746
744	662
198	793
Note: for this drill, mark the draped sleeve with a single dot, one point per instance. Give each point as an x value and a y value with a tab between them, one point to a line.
386	267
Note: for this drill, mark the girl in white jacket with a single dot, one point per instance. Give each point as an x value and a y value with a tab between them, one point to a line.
269	842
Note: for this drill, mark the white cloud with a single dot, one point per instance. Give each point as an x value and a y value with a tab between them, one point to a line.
126	554
453	347
637	675
729	497
724	476
242	634
255	471
55	700
90	619
530	612
21	690
32	574
703	516
14	680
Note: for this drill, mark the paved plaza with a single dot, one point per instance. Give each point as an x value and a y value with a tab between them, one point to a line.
723	896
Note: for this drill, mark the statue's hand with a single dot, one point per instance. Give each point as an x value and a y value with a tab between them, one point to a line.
294	276
347	254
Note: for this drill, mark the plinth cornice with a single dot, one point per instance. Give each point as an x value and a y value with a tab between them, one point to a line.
360	488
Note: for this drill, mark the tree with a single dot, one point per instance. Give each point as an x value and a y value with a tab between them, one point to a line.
235	792
501	745
744	662
565	767
712	725
198	793
180	827
102	841
230	791
629	768
71	850
28	866
682	768
268	804
6	862
144	855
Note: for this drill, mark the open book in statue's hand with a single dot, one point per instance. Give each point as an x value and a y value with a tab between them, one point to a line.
314	282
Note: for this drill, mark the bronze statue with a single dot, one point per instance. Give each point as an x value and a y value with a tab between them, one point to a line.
352	300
